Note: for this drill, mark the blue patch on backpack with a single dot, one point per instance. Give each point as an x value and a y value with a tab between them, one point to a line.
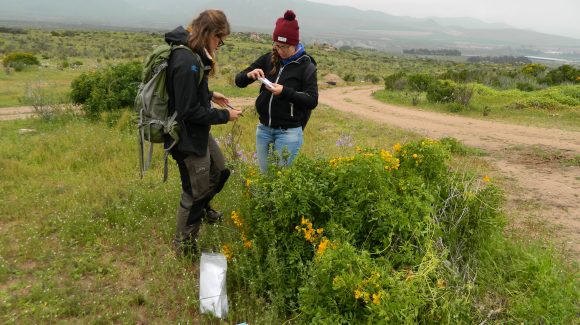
194	68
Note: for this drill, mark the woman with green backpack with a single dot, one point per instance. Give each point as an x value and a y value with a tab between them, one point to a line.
199	159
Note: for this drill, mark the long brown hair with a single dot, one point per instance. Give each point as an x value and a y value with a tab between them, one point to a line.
275	62
212	22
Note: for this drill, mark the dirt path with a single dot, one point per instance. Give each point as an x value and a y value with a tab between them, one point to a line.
13	113
552	189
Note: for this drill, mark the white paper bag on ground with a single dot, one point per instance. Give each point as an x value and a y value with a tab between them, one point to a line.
213	296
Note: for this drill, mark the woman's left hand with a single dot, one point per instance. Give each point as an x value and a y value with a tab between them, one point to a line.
220	99
276	89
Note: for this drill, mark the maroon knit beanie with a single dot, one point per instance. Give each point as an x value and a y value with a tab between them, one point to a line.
286	30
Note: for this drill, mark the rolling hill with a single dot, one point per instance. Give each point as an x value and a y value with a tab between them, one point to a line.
337	25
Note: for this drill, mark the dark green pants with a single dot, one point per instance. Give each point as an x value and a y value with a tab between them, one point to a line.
201	178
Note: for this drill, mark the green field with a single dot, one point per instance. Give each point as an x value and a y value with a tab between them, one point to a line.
370	225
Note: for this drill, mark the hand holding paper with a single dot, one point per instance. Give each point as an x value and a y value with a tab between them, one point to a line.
266	82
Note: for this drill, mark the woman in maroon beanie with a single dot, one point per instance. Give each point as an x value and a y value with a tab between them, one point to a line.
288	94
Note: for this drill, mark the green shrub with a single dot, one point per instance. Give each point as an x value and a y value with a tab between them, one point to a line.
441	91
20	60
360	238
396	81
564	73
82	86
534	69
420	81
349	77
108	89
372	78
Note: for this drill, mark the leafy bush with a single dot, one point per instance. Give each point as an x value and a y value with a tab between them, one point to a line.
441	91
19	60
363	238
349	77
534	69
420	81
372	78
108	89
396	81
564	73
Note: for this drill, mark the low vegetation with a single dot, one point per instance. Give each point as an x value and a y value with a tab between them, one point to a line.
361	229
370	225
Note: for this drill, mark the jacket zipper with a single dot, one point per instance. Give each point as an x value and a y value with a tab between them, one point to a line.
272	95
272	98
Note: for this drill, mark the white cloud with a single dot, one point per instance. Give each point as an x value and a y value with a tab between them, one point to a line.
554	17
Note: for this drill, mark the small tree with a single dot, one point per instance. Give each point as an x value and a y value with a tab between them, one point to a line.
108	89
420	82
564	73
441	91
396	81
534	69
20	60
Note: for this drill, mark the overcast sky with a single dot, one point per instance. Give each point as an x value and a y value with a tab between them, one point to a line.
560	17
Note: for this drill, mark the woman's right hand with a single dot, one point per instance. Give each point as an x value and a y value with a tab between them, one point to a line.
255	74
234	114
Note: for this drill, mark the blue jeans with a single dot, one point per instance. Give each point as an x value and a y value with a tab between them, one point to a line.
291	139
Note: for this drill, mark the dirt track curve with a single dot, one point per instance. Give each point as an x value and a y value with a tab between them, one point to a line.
553	189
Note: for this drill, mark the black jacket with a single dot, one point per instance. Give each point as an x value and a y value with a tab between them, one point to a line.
299	97
189	98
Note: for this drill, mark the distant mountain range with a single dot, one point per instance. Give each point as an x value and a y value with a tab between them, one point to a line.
337	25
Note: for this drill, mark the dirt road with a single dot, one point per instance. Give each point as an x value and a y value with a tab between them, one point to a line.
551	189
542	189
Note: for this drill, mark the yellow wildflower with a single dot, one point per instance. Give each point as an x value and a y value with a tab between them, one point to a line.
486	179
322	246
397	147
441	283
248	182
415	156
376	298
357	294
319	231
237	219
227	251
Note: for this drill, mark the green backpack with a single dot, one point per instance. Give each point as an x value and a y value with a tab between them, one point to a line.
152	104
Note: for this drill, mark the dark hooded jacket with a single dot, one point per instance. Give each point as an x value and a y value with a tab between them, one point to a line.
299	96
190	98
